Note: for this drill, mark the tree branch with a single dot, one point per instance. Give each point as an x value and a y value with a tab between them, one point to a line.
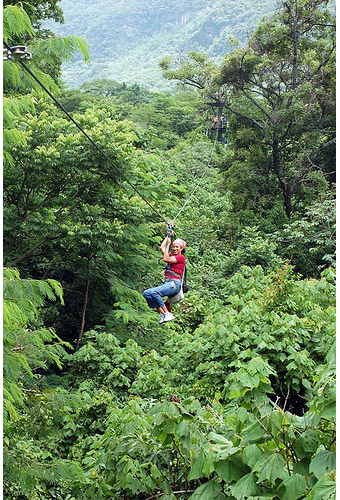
255	102
31	250
323	63
20	348
262	127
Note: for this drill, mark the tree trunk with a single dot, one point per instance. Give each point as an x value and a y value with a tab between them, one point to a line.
285	187
86	299
220	125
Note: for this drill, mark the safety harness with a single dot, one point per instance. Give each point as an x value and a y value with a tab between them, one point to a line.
178	297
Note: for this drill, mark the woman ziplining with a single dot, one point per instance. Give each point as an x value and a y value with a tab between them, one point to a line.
173	277
174	273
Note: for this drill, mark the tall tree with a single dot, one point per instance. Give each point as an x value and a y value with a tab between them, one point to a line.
282	85
286	78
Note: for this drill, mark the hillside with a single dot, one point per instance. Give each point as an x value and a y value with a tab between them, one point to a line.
128	38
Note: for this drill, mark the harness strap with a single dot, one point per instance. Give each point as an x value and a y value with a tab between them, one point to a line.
181	277
173	272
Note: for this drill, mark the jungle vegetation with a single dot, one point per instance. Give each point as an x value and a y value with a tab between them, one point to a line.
234	399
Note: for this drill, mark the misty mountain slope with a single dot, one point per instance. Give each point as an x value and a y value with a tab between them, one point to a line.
128	38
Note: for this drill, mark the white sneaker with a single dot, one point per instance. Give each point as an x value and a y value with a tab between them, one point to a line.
162	318
168	316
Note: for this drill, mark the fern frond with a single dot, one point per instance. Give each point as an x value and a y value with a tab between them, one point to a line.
15	105
14	364
83	46
11	75
8	159
10	413
15	316
25	348
63	47
29	293
13	137
15	22
28	82
57	288
11	273
17	78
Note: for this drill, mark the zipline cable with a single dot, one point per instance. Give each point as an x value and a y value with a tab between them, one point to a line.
59	105
201	178
85	134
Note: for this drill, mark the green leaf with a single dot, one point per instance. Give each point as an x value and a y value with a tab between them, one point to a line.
274	422
251	454
57	288
254	433
324	489
306	444
219	439
329	412
209	465
183	429
249	381
271	466
154	471
221	446
211	490
324	461
197	466
245	487
232	469
302	467
295	486
15	22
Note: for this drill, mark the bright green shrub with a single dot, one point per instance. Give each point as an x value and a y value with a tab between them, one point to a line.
32	412
104	362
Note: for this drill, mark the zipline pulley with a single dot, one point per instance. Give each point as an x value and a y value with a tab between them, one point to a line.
170	230
17	52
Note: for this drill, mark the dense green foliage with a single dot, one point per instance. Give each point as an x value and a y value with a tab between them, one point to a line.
234	399
242	402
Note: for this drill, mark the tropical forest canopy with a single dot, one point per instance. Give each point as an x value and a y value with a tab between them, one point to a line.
235	398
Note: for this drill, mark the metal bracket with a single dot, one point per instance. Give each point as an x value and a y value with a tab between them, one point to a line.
16	53
170	228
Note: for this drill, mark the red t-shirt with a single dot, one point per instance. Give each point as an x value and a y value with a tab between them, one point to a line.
177	267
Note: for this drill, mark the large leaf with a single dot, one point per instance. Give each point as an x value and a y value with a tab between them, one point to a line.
323	462
295	486
306	444
211	490
324	489
232	469
271	466
245	486
251	454
254	433
221	446
248	380
209	464
197	466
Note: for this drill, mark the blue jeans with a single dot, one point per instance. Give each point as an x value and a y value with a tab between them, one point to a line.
153	296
